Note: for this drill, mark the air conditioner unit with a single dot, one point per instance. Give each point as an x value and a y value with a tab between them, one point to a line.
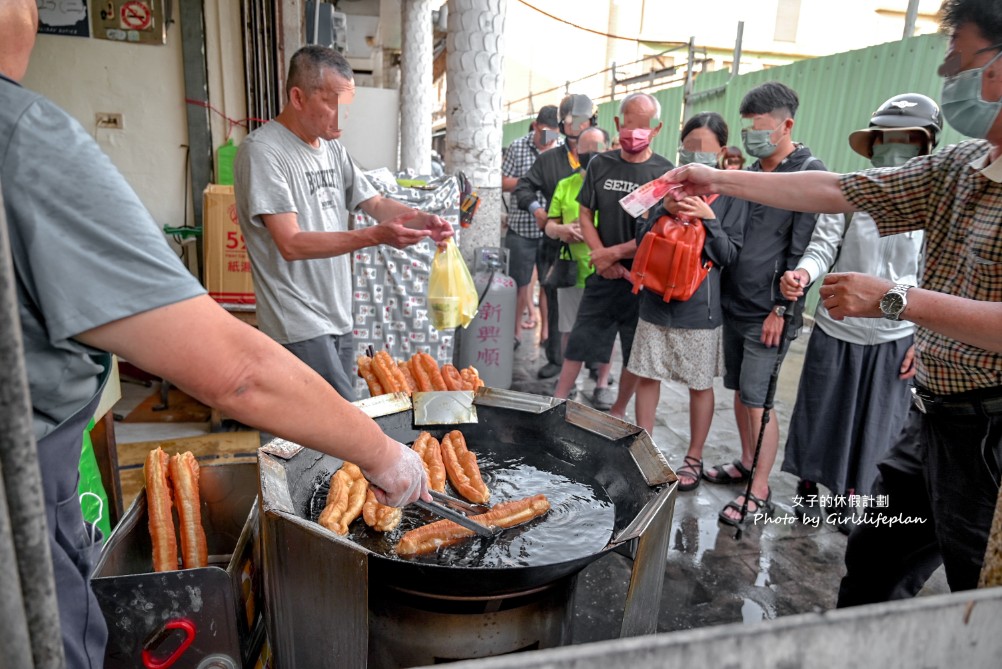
325	26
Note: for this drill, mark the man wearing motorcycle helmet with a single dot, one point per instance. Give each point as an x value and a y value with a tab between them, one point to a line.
836	439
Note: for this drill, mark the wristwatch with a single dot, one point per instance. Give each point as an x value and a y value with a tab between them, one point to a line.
779	310
894	302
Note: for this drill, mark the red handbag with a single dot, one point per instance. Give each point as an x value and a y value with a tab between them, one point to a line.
669	260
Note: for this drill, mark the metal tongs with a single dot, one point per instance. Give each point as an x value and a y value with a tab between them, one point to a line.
450	513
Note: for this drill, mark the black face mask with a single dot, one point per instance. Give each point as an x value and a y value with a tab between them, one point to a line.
584	159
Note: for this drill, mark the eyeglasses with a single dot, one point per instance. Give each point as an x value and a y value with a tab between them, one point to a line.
951	65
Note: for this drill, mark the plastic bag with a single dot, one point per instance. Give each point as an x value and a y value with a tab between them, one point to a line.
90	488
225	155
452	295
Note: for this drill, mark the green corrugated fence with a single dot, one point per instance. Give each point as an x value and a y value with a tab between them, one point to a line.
837	95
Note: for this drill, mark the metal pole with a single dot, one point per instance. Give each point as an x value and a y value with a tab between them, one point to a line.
196	87
687	88
612	82
17	638
22	485
910	15
736	61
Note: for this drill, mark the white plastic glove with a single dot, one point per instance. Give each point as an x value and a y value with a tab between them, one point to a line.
403	481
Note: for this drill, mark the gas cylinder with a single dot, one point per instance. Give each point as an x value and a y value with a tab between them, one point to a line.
488	342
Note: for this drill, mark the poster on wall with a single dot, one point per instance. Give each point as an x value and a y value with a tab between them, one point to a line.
63	17
137	21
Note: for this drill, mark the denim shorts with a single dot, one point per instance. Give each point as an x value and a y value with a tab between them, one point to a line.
749	363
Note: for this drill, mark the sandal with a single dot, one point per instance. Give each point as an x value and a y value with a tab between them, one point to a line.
692	469
763	506
717	474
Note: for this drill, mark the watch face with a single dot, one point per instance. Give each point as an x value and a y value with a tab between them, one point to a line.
892	304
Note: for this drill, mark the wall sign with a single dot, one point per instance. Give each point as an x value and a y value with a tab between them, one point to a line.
137	21
63	17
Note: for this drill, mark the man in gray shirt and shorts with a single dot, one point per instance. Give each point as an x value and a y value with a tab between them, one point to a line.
295	187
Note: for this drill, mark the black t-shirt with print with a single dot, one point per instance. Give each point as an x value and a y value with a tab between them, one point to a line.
609	179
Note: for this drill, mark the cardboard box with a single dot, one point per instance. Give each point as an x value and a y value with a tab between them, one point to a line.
227	274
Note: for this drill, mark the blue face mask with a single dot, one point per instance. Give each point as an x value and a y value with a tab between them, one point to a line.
893	155
962	105
697	157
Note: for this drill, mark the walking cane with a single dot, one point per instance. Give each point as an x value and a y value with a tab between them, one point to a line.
791	328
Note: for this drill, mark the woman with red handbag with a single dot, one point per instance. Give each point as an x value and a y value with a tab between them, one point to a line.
681	340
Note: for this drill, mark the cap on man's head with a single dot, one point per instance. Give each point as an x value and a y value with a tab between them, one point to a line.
547	116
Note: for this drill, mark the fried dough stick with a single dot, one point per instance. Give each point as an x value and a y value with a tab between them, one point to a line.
378	516
388	373
461	466
429	538
344	499
472	377
431	369
365	371
453	379
421	378
430	451
405	372
184	473
158	502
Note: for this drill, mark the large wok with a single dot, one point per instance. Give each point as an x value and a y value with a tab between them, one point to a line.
566	438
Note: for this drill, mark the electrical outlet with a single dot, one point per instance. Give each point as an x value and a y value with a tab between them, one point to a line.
108	120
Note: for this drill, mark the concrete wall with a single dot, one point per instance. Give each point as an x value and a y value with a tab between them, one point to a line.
145	84
957	630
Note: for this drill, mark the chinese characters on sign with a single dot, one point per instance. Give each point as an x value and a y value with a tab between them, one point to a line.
490	356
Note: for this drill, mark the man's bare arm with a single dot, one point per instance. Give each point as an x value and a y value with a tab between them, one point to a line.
974	322
229	365
297	244
392	214
812	191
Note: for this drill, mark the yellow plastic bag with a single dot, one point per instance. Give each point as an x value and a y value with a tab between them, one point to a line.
452	296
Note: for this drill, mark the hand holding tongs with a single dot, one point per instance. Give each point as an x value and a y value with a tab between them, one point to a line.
457	517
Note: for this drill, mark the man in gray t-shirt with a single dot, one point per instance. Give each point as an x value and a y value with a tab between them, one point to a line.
295	187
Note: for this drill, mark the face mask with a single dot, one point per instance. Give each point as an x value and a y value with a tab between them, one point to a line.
893	155
635	140
584	159
758	143
549	137
963	107
698	157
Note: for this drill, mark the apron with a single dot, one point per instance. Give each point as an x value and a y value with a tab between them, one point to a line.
74	554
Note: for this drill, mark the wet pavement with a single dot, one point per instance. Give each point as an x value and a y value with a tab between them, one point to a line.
778	568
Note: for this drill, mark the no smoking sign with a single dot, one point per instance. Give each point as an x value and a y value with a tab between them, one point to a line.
136	15
135	21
